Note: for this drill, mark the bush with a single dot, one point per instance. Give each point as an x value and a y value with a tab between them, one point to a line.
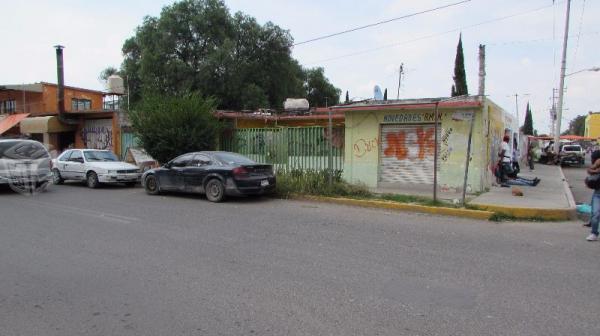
168	126
316	182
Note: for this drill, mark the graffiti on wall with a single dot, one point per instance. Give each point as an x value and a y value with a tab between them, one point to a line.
363	146
445	147
97	134
398	142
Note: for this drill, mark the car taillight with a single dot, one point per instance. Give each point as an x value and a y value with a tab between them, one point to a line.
240	171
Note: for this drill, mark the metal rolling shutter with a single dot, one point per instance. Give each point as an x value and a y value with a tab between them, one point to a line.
407	153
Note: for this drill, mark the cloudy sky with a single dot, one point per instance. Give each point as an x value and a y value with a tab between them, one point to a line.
523	41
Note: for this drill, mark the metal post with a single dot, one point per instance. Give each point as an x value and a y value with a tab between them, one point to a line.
400	78
464	192
330	156
561	85
435	151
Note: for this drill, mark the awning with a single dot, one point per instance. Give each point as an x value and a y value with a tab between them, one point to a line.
11	121
49	124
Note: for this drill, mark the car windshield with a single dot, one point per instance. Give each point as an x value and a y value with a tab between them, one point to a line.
22	150
572	148
100	156
232	159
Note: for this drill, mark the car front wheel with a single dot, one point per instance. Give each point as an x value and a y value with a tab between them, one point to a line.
92	180
151	185
56	178
215	191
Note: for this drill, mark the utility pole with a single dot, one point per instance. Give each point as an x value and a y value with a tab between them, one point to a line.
561	85
330	152
400	72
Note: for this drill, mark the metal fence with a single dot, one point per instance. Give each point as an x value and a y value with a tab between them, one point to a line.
288	148
128	139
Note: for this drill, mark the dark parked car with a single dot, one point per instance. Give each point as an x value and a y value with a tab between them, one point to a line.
25	165
216	174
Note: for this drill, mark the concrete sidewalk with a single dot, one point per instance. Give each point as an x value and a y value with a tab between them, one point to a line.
551	199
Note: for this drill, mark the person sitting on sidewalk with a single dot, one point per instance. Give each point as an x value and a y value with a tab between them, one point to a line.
507	175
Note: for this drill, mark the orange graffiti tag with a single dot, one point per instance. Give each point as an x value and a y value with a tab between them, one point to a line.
396	145
425	142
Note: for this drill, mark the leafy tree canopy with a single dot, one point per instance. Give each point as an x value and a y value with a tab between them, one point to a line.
320	91
170	125
460	78
199	46
576	126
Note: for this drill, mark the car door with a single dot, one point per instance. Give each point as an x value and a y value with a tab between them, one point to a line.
194	173
172	178
76	165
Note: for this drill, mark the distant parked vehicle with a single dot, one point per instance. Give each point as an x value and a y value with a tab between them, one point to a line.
94	167
25	165
571	154
216	174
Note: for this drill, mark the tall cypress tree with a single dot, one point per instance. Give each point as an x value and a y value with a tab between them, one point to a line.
460	78
528	124
347	97
385	94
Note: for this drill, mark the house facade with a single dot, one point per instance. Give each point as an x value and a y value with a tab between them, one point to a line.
391	144
86	123
592	125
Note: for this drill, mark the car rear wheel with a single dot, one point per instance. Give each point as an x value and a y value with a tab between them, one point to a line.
92	180
56	178
215	191
151	185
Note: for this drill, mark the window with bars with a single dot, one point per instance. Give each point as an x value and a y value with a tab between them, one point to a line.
80	104
8	106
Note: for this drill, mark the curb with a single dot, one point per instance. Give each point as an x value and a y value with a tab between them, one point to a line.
456	212
541	213
529	213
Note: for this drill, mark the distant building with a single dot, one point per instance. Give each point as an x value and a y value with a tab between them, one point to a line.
592	125
390	144
31	110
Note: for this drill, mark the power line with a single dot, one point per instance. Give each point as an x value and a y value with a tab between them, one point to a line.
428	36
379	23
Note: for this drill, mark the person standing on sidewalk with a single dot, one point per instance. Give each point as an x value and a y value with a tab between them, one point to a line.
595	220
530	155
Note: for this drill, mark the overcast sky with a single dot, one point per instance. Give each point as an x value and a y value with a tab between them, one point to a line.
523	41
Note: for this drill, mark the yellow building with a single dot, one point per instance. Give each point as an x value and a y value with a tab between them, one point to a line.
592	125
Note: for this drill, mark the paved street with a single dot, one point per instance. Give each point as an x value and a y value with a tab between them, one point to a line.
114	261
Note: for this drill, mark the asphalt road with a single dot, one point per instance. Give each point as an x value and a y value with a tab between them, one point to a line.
576	176
115	261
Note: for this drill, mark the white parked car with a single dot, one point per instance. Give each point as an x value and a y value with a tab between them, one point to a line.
94	167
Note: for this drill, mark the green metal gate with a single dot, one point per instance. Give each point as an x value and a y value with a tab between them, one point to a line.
128	139
287	148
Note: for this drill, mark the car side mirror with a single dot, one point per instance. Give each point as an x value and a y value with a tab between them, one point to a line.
167	165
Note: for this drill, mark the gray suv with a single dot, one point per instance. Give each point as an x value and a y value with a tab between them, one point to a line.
25	165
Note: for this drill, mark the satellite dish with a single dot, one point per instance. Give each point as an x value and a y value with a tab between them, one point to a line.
377	93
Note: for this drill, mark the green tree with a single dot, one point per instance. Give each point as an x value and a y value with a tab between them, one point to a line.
198	46
109	71
528	124
170	125
320	91
347	97
385	94
460	78
576	126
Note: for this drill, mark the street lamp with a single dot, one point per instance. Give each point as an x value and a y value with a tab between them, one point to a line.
590	69
560	103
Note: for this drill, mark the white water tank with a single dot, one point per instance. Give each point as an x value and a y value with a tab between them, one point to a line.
115	84
295	104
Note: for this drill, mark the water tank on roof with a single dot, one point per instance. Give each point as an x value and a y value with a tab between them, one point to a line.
115	84
295	104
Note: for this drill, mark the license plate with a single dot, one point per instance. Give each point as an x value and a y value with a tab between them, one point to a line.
264	183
